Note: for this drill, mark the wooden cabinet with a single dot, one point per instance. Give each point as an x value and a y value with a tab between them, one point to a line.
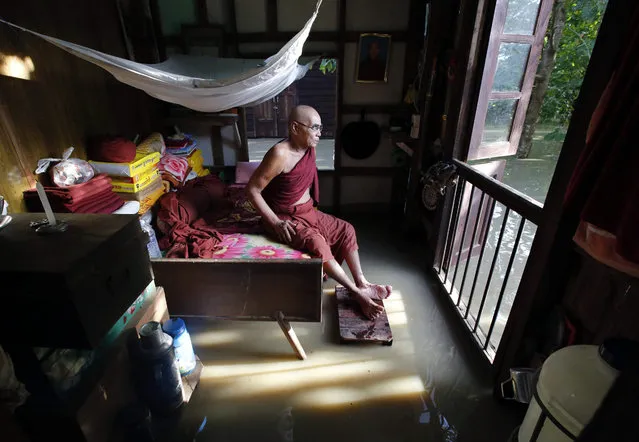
66	290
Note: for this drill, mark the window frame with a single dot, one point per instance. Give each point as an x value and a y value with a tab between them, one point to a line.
477	149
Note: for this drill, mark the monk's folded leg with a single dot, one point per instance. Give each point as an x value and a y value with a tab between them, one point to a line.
312	241
339	234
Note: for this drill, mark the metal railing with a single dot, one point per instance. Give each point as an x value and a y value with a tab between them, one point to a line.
484	251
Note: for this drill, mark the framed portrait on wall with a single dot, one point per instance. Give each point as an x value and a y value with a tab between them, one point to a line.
373	55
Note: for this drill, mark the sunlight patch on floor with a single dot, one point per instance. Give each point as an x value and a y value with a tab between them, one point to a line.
294	380
328	366
395	309
250	368
216	337
340	396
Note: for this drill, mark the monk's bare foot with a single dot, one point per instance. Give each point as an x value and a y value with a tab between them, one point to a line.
375	291
370	308
368	296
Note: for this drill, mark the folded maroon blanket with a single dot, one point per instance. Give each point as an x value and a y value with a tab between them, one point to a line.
76	193
112	150
105	204
106	201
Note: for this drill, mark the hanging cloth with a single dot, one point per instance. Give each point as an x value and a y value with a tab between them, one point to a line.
205	84
604	187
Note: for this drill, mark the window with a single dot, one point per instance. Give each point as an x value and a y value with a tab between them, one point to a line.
509	73
267	123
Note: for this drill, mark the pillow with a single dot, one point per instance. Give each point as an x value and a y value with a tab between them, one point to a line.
112	150
244	170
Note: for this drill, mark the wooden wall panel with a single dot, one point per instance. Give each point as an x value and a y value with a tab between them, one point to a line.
68	99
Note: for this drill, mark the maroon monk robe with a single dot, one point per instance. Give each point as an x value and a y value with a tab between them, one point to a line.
319	234
287	188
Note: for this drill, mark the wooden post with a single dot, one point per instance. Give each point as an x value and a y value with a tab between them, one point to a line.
232	17
243	153
271	16
291	337
337	179
217	145
202	12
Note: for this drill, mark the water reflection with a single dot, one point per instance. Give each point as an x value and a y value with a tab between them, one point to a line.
532	177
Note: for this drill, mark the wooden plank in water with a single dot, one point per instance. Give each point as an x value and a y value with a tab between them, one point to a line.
355	327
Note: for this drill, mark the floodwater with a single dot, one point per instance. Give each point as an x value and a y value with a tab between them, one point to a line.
430	385
532	177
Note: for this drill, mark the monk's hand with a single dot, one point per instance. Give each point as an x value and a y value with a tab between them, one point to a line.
284	231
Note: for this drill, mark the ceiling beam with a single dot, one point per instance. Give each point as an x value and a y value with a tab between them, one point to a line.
327	36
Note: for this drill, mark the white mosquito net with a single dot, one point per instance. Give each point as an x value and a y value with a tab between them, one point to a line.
201	83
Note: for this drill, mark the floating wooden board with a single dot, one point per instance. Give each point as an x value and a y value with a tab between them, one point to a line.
355	327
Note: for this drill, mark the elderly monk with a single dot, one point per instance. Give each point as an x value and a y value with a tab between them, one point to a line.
284	189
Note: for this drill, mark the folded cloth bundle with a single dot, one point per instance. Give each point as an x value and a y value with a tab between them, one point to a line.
171	181
94	196
112	150
201	195
176	166
179	217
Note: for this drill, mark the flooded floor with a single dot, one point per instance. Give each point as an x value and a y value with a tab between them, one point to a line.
430	385
532	177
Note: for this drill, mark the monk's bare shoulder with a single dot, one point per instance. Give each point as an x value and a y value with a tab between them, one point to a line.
275	160
282	149
278	155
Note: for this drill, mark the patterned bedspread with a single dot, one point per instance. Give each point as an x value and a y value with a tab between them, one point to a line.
250	246
240	226
242	231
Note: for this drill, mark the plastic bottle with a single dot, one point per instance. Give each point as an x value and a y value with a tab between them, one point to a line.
182	344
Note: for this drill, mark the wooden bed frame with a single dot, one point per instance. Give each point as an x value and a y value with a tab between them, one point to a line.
279	290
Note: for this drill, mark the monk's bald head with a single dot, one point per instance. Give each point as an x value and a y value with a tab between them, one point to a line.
304	126
304	114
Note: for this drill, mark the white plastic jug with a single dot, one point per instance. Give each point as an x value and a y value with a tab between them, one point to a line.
572	383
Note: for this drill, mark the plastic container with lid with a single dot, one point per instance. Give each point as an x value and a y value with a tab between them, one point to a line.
572	383
184	354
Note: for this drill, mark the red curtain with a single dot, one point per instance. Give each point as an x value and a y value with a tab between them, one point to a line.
605	185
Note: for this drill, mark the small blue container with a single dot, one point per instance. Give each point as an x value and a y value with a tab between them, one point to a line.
181	343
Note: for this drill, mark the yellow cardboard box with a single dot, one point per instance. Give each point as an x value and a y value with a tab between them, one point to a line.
142	183
142	163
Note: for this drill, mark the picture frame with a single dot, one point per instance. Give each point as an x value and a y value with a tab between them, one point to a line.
373	56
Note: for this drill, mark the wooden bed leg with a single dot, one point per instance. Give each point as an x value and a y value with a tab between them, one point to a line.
291	337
